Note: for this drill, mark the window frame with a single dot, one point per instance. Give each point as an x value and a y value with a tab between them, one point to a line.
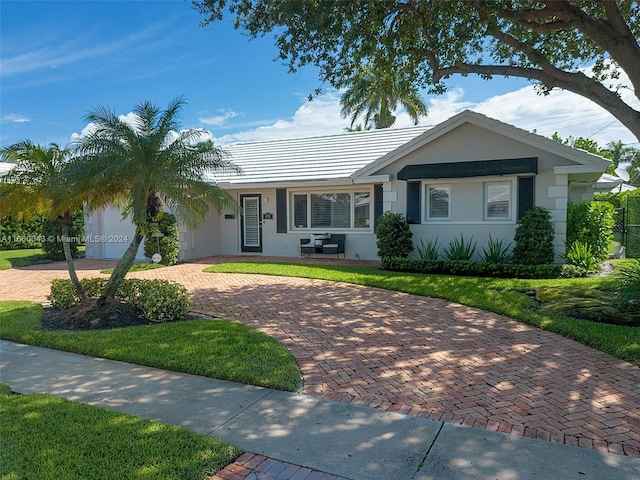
352	209
485	201
427	202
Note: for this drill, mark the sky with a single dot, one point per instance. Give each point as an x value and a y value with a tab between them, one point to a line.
61	59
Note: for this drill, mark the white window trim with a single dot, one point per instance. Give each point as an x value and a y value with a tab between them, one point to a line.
485	201
350	191
427	202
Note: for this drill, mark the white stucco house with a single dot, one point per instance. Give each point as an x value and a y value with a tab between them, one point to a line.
470	175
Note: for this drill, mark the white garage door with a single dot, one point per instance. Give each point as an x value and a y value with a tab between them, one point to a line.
118	234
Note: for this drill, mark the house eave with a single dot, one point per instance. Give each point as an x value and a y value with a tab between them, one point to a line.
573	169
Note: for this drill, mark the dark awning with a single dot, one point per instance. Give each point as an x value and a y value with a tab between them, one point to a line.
482	168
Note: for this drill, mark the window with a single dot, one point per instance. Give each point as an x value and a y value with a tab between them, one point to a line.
438	201
300	211
497	200
331	210
362	209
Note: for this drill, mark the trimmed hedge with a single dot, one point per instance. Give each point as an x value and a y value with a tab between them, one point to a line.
471	269
159	300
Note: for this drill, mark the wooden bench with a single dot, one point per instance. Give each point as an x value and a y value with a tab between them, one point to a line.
323	244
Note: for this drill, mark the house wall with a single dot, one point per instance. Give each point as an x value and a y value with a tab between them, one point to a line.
470	143
357	244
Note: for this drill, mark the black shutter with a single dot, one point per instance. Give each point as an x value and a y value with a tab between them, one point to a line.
413	202
377	205
281	210
526	200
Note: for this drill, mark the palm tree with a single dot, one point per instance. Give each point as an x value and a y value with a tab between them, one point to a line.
376	92
142	164
35	186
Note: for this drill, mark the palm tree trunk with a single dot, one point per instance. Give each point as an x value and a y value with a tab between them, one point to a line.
65	222
121	269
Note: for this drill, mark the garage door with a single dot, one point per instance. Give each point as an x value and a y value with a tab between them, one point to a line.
118	234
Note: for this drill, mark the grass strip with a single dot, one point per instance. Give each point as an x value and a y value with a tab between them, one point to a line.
22	258
49	438
137	267
214	348
503	296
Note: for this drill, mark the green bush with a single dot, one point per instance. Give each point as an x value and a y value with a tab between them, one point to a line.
591	223
428	251
628	285
169	244
159	300
474	269
581	256
534	238
394	237
459	250
20	234
496	252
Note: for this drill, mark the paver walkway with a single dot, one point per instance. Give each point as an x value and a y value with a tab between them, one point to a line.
422	356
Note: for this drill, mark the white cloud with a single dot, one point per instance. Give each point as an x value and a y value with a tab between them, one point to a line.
316	118
217	120
560	111
14	118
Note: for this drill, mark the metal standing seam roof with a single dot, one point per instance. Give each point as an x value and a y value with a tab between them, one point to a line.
315	158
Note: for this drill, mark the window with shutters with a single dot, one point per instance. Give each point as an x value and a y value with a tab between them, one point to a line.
331	210
497	200
438	198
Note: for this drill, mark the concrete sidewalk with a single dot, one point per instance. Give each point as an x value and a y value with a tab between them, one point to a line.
338	438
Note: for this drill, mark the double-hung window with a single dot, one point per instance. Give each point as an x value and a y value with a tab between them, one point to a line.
438	198
331	210
497	200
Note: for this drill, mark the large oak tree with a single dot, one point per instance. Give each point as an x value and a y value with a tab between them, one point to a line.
549	42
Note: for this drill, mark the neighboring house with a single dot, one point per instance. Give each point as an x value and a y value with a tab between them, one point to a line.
612	184
470	175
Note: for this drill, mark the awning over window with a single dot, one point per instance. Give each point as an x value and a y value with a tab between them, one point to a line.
482	168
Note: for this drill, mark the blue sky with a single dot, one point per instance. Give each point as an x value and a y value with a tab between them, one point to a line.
60	59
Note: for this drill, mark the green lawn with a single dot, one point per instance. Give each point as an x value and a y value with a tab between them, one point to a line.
137	267
48	438
22	258
504	296
213	347
25	257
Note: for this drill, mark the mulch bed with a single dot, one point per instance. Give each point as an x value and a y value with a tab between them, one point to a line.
88	316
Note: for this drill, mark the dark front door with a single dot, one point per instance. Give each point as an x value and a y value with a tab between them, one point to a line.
251	223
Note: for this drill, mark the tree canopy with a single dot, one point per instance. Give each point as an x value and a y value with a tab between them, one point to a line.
376	92
144	163
549	42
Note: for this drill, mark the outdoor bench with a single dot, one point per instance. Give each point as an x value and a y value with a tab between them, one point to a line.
324	244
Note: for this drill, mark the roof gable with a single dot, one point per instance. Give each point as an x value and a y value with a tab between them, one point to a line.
585	161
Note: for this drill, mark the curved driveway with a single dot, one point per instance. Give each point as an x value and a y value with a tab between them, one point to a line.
421	356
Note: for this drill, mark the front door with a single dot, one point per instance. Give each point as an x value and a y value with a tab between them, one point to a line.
251	223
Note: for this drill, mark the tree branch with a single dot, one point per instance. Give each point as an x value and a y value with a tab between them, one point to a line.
576	82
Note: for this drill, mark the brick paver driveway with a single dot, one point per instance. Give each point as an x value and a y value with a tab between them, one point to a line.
422	356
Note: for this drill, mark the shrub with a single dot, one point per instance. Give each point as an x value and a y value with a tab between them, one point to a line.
394	236
496	252
476	269
628	285
15	234
428	251
52	244
534	238
160	300
459	250
591	223
581	256
169	244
